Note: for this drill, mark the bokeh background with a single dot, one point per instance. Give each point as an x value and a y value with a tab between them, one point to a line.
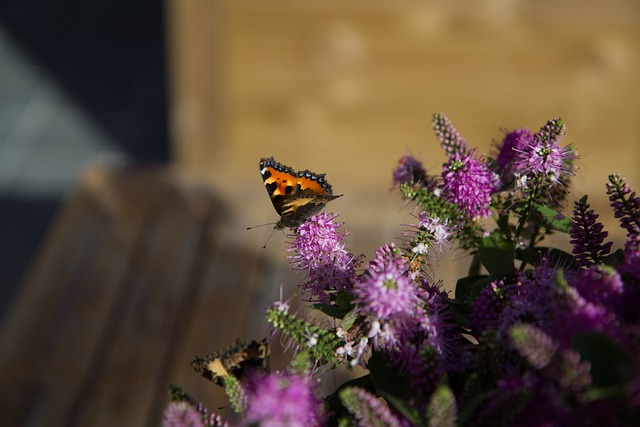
130	134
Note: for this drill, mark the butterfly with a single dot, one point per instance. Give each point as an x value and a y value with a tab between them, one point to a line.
296	196
235	361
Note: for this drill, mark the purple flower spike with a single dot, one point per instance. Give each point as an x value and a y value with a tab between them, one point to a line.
468	182
587	235
388	297
181	414
281	400
321	254
626	207
512	143
541	161
450	139
409	170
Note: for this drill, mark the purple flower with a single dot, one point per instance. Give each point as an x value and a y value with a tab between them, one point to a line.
512	142
532	299
181	414
367	408
450	139
387	254
533	344
428	235
573	314
468	183
489	305
587	235
429	343
600	284
280	400
388	298
436	327
408	171
321	254
541	162
626	207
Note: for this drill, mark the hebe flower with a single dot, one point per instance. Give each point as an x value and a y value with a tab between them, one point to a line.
428	235
388	298
368	409
387	254
468	182
626	207
320	253
533	344
435	327
573	314
542	161
489	305
600	284
587	235
281	400
181	414
408	171
512	142
531	299
450	139
538	158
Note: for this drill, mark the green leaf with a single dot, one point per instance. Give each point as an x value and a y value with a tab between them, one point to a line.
386	378
393	386
551	219
534	256
407	411
471	407
349	320
474	268
496	255
610	363
614	258
344	300
504	226
331	310
465	285
344	304
461	310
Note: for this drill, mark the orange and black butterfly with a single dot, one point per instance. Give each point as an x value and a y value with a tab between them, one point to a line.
296	196
236	361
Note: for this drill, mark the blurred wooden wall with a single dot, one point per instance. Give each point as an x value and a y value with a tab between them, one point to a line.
347	87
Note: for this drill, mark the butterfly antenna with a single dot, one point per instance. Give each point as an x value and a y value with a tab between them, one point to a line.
261	225
264	225
269	238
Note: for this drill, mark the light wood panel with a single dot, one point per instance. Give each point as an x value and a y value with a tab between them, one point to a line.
346	88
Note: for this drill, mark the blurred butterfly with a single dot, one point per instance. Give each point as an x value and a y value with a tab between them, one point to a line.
236	361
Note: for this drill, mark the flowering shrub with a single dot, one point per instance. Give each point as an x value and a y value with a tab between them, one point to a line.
532	336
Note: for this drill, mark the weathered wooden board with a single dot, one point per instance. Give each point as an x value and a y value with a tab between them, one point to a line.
136	277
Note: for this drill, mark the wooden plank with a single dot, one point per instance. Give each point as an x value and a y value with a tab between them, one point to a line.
86	342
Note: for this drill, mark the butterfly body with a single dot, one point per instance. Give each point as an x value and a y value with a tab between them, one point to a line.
296	196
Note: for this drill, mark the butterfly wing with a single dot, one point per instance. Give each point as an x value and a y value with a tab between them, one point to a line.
296	196
279	180
235	361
